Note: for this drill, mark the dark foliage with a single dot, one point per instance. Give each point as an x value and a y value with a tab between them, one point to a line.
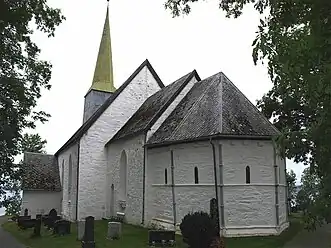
22	78
198	230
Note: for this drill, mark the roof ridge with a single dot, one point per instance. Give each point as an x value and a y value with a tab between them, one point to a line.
40	153
166	104
194	105
255	108
93	118
188	77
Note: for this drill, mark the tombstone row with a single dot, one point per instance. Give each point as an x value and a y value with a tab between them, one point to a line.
52	221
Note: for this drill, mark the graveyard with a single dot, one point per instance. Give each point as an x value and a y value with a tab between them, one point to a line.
50	231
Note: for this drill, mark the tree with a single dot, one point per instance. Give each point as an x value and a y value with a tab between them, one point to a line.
22	77
12	202
290	179
33	143
293	38
310	199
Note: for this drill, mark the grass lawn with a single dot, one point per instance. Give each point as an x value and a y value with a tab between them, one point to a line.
136	237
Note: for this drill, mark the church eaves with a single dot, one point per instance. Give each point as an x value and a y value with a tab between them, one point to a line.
103	73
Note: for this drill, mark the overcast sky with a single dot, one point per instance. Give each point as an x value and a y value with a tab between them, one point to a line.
205	40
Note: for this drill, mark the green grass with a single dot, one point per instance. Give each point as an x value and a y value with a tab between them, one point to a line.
136	237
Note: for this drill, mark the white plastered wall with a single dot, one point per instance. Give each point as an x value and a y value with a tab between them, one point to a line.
93	158
69	198
249	208
40	202
134	151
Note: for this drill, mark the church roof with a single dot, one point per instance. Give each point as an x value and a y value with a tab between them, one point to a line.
213	107
40	172
79	133
153	107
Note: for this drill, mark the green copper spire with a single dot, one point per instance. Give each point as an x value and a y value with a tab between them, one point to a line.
103	74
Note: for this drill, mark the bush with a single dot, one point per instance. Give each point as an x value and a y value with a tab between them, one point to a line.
198	230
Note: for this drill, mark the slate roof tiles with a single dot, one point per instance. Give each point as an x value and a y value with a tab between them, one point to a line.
214	106
40	172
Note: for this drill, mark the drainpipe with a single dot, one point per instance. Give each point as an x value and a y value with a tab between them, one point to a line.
288	205
276	186
77	177
220	159
215	179
144	182
173	188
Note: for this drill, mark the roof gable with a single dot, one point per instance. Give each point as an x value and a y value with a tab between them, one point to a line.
40	172
153	107
79	133
214	106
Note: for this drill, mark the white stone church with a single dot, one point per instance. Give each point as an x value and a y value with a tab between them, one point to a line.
153	152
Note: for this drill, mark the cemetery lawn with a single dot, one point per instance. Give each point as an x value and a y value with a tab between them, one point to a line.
136	237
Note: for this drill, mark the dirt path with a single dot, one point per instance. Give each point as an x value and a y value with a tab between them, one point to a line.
6	239
321	238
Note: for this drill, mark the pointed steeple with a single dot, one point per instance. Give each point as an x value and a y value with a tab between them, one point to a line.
103	74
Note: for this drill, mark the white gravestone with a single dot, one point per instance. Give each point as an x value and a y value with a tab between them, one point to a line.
114	230
80	229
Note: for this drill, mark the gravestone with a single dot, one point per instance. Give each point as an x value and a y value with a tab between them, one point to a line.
214	215
26	212
80	229
37	227
161	238
114	230
52	213
62	227
88	240
21	221
52	217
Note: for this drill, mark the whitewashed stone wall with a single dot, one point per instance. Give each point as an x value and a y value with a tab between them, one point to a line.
69	200
171	107
188	195
93	158
40	202
249	208
135	160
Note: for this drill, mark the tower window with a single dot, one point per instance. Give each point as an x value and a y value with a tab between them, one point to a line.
248	174
165	176
196	175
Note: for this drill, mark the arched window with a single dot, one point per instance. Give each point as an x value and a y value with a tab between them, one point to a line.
70	174
196	175
248	174
165	176
62	173
123	176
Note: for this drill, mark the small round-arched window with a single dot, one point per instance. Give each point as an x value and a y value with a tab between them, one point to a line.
248	174
196	175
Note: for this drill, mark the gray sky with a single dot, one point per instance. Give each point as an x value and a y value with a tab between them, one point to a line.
205	40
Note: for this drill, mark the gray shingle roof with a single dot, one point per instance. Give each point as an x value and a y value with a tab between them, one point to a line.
153	107
214	106
40	172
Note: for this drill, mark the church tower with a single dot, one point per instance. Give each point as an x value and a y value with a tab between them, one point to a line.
103	84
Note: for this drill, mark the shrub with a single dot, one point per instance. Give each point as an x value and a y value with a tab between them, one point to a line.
198	230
